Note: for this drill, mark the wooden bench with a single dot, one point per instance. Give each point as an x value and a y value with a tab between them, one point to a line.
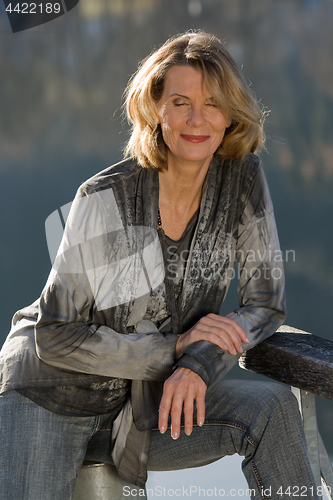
305	362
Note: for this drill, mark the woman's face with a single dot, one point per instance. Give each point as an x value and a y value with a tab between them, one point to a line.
192	124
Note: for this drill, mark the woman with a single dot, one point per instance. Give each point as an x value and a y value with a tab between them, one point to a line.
125	341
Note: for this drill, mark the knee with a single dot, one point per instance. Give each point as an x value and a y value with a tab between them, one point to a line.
275	413
280	403
270	395
282	395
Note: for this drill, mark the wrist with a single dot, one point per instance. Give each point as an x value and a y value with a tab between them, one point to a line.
178	351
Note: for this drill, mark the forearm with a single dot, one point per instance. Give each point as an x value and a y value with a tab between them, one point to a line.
261	295
102	351
84	309
207	360
211	362
73	335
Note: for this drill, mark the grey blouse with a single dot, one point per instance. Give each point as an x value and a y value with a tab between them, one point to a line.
88	325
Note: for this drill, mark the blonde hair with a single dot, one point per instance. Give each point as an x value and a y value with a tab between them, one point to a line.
206	53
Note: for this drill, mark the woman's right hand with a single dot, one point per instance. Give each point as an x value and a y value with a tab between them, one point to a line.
219	330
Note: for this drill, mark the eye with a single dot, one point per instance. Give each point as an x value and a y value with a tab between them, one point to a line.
180	102
212	104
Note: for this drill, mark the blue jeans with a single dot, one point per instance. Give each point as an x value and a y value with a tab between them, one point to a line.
42	452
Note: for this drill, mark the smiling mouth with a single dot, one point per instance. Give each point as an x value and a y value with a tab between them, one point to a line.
195	138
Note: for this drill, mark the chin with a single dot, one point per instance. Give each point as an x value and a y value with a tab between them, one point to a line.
197	158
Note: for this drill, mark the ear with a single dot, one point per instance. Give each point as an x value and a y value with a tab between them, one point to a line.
158	116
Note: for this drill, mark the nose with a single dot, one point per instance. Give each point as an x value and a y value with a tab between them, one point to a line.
196	117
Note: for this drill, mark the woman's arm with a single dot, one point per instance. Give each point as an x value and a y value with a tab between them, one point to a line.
261	309
99	269
261	297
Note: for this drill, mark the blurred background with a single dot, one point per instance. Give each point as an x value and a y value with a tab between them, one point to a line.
61	91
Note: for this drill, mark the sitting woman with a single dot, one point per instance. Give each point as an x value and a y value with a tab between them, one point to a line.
122	358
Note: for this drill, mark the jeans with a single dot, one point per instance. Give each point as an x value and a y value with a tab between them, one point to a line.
42	452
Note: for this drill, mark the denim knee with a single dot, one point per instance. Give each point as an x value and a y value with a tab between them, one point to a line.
281	398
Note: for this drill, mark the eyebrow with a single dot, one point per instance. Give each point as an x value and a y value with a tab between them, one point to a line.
185	97
179	95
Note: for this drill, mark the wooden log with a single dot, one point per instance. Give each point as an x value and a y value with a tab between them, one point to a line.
296	358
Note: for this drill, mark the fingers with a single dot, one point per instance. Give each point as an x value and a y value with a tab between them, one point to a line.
188	414
164	409
231	325
176	413
179	393
171	403
200	404
226	329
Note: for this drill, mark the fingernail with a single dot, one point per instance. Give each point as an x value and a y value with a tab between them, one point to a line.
174	435
247	340
188	432
234	351
200	423
162	430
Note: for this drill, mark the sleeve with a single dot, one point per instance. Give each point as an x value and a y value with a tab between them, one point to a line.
261	296
100	266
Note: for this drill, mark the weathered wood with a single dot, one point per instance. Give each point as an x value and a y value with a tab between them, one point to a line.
307	406
296	358
325	467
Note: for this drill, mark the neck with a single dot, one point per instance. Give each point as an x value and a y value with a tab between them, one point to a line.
181	185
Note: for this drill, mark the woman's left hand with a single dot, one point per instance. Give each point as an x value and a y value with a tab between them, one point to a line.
182	388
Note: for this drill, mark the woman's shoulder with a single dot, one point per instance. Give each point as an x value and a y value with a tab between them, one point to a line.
239	172
120	172
248	165
252	161
240	175
247	170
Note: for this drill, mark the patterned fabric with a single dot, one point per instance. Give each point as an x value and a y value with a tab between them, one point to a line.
88	325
